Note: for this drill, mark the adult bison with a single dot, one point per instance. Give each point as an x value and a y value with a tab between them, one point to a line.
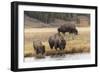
57	41
71	28
38	47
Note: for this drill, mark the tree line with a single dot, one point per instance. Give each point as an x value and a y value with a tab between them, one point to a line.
48	17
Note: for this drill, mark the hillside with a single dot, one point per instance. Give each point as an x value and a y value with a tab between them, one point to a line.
31	22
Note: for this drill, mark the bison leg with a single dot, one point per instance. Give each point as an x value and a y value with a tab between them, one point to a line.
43	52
56	46
56	50
73	36
37	52
63	33
51	45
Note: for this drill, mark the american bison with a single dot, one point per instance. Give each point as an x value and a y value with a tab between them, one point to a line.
38	47
71	28
57	41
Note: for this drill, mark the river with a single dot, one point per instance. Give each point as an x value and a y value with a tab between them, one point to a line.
77	56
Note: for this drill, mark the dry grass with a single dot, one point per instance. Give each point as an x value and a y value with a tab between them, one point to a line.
81	43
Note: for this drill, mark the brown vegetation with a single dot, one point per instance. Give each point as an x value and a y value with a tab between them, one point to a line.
81	43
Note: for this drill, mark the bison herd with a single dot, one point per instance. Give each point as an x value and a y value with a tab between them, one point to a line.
56	41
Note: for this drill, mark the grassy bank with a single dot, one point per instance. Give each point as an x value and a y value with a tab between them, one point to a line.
81	43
